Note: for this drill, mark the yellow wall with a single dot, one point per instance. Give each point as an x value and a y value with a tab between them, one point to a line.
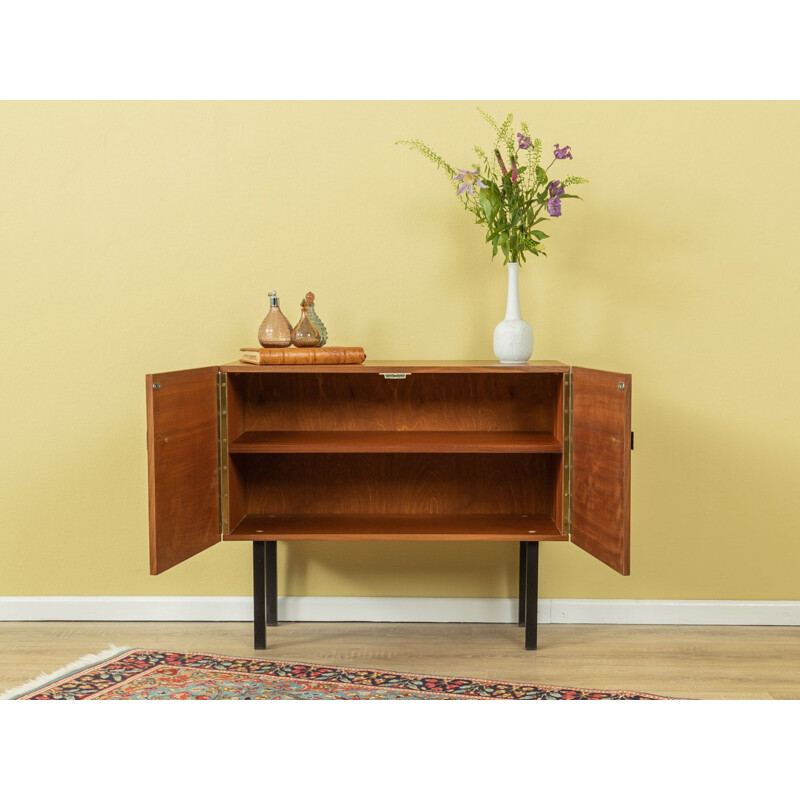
143	237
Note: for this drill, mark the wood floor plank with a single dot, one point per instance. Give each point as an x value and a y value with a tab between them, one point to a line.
703	662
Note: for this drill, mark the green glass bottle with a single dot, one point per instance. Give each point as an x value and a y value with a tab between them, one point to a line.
317	322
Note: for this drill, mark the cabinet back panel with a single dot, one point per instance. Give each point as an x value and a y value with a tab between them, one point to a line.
409	483
420	402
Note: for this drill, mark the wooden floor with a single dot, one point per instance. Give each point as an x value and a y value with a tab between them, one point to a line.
702	662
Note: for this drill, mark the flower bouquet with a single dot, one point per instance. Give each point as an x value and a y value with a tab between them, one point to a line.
511	194
514	193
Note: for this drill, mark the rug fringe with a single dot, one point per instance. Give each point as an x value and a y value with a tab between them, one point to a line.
45	678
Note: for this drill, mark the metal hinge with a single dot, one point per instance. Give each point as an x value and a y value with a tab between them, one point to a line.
567	457
395	376
222	449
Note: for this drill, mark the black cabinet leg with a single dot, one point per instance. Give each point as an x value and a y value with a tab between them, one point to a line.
523	553
531	593
259	596
272	584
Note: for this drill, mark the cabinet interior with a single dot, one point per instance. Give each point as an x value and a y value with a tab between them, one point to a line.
434	455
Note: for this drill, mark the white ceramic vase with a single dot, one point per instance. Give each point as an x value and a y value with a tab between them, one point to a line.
513	337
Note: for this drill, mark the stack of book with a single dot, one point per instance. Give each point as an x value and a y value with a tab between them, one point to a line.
302	355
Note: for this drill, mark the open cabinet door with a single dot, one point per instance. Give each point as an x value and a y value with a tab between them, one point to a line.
183	466
601	465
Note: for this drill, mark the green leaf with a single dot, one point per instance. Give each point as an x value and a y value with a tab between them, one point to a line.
540	235
541	176
490	202
486	205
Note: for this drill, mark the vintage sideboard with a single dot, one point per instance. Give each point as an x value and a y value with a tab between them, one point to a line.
411	450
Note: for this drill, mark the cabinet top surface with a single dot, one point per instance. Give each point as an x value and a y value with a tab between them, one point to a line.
402	366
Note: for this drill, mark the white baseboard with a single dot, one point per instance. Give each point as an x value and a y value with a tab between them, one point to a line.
404	609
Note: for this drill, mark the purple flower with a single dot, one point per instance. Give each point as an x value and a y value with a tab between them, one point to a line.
554	206
556	189
524	141
468	178
563	152
500	162
514	173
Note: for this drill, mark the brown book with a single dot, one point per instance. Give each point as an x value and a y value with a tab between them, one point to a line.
302	355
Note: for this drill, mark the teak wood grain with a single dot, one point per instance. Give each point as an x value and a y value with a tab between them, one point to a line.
387	527
394	442
403	366
601	462
183	467
455	450
425	402
392	483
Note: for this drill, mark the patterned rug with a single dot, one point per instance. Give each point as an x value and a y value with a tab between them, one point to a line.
133	674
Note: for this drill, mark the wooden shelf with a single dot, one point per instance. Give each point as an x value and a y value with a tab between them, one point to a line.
394	442
423	527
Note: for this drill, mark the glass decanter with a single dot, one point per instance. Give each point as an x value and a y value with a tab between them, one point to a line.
315	320
304	333
275	330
